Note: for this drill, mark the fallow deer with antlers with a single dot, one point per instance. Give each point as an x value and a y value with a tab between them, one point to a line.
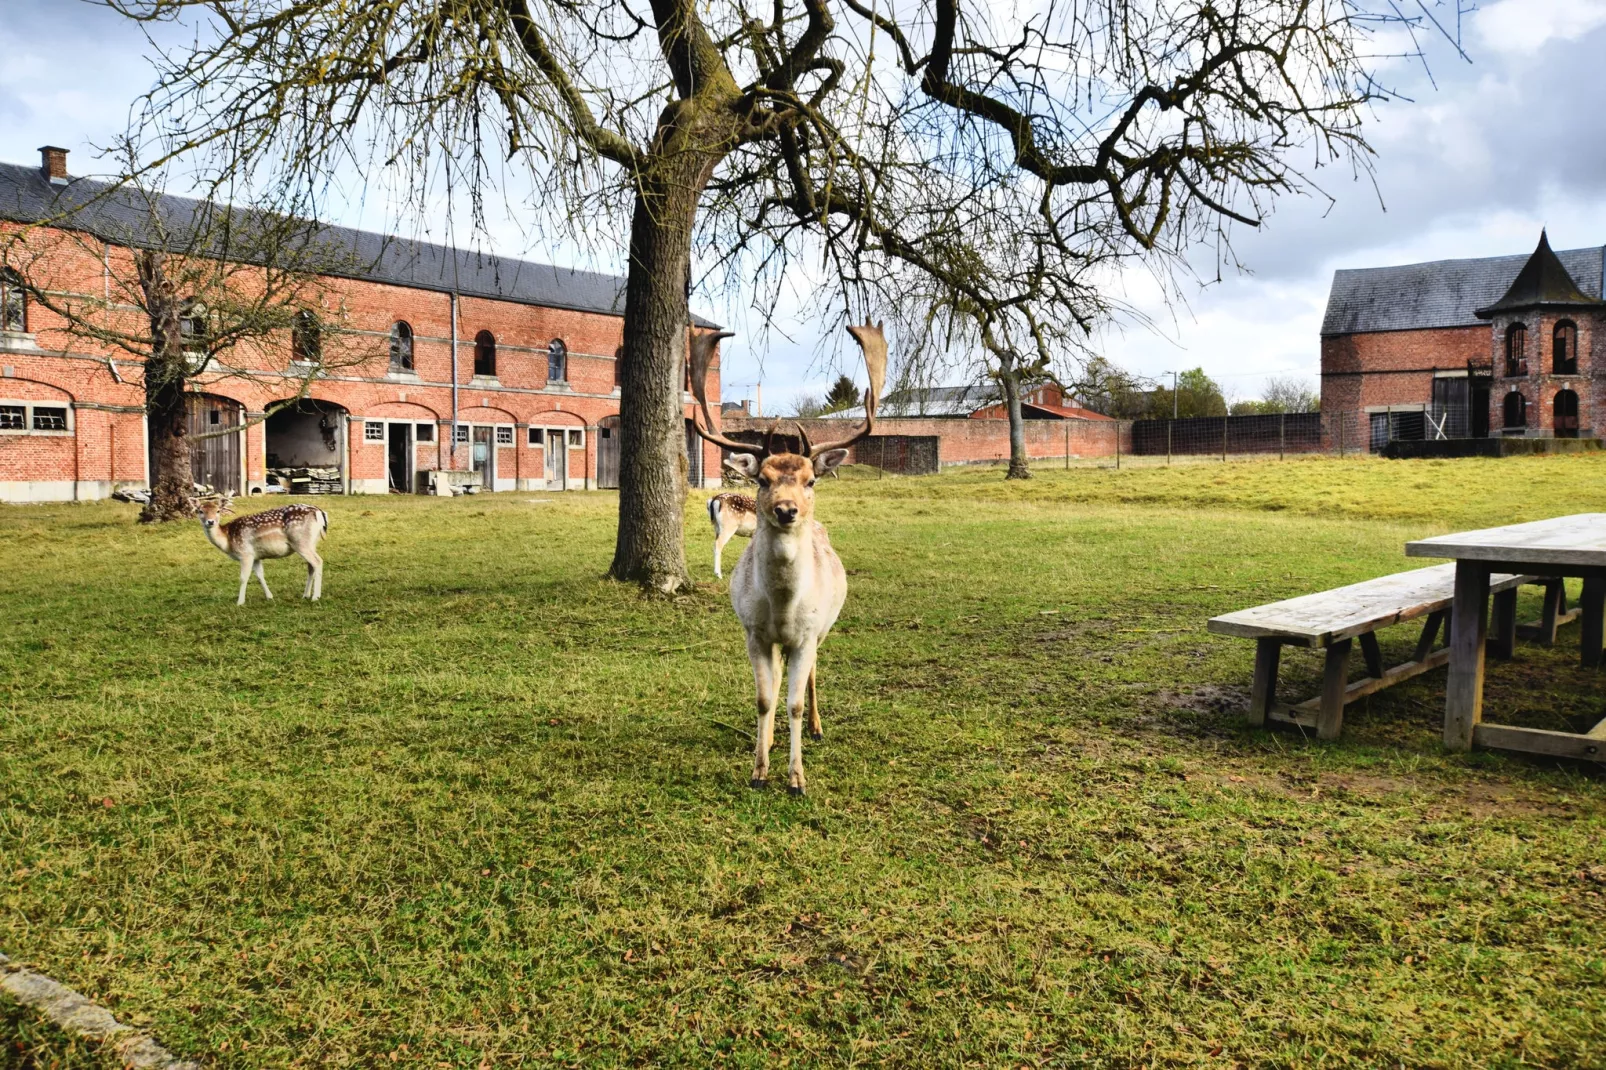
289	529
789	585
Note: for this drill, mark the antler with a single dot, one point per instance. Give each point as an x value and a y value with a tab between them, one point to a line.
702	352
874	344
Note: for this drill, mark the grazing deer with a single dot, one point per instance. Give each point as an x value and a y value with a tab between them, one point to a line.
250	540
789	585
731	514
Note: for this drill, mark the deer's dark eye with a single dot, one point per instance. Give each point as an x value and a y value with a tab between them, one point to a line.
811	482
763	484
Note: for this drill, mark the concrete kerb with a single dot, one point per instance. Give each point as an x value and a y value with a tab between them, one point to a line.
78	1017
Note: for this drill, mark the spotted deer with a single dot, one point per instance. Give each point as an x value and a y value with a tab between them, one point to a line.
731	515
789	585
250	540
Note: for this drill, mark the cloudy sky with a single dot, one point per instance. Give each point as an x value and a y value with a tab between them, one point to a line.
1475	166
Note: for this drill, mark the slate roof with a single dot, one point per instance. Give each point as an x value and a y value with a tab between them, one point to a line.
1542	281
1441	293
27	197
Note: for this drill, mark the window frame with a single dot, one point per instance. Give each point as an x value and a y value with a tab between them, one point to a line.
371	426
557	353
403	348
503	435
536	437
28	418
306	337
1517	351
11	282
423	432
462	436
1563	340
1505	410
484	347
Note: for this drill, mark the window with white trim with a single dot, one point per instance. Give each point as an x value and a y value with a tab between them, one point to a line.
373	431
426	432
26	417
504	435
538	436
13	301
577	438
49	418
462	433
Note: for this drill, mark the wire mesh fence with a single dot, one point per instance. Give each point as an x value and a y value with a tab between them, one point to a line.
1123	443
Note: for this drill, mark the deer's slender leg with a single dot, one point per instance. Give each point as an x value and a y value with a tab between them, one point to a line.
799	677
814	707
262	579
719	548
246	564
766	659
314	589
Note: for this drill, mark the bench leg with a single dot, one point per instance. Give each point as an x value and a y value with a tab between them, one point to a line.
1372	655
1555	606
1469	633
1263	691
1591	606
1503	641
1335	678
1430	632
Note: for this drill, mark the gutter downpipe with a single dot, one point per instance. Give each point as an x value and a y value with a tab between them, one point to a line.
453	454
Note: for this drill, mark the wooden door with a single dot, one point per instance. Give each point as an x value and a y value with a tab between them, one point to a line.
214	448
608	453
484	457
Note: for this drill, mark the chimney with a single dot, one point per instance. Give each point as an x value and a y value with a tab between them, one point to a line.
53	164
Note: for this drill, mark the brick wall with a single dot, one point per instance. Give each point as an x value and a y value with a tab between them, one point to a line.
973	441
106	446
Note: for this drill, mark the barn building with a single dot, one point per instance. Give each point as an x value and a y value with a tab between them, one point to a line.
495	372
1506	346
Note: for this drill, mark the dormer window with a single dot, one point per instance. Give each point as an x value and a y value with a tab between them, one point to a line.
485	354
401	347
1516	350
1564	360
557	361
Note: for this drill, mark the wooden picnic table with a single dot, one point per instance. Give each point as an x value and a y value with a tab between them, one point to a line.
1562	546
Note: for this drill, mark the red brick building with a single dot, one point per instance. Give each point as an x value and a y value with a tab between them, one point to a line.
503	372
1499	346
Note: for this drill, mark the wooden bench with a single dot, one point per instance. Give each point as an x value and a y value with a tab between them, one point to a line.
1334	620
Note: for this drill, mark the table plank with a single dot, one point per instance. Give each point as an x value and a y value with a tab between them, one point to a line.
1577	540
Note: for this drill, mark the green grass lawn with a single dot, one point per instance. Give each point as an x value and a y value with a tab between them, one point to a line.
481	807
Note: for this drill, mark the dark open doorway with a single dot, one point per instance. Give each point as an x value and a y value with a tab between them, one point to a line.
399	457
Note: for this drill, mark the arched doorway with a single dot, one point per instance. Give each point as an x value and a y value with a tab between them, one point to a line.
1515	412
1566	413
608	453
306	447
214	429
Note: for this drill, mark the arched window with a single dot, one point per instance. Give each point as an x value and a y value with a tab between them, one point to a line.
1516	350
619	367
192	327
306	338
401	346
13	302
1516	410
1564	354
485	354
1566	414
557	361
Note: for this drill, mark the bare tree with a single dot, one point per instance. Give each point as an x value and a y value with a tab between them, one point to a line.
989	159
193	292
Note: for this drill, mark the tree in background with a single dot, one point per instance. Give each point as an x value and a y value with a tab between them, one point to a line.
1282	395
192	292
1196	395
1104	388
842	395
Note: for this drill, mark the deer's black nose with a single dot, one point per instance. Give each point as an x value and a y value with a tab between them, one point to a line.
785	514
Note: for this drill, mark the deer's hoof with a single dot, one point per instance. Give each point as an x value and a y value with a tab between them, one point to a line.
816	736
758	784
796	789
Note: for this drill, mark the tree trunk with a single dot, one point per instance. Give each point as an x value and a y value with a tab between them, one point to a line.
1009	376
649	549
168	419
166	414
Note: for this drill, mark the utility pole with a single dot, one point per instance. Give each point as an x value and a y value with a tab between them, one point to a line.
1172	425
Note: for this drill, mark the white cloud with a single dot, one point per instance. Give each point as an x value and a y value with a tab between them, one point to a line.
1525	26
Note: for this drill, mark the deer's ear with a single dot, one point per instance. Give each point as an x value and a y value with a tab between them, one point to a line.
828	461
743	464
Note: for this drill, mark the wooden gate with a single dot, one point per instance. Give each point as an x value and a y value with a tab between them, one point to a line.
608	453
214	457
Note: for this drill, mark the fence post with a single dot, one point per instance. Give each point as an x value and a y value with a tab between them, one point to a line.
1282	437
1117	426
1168	426
1226	422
